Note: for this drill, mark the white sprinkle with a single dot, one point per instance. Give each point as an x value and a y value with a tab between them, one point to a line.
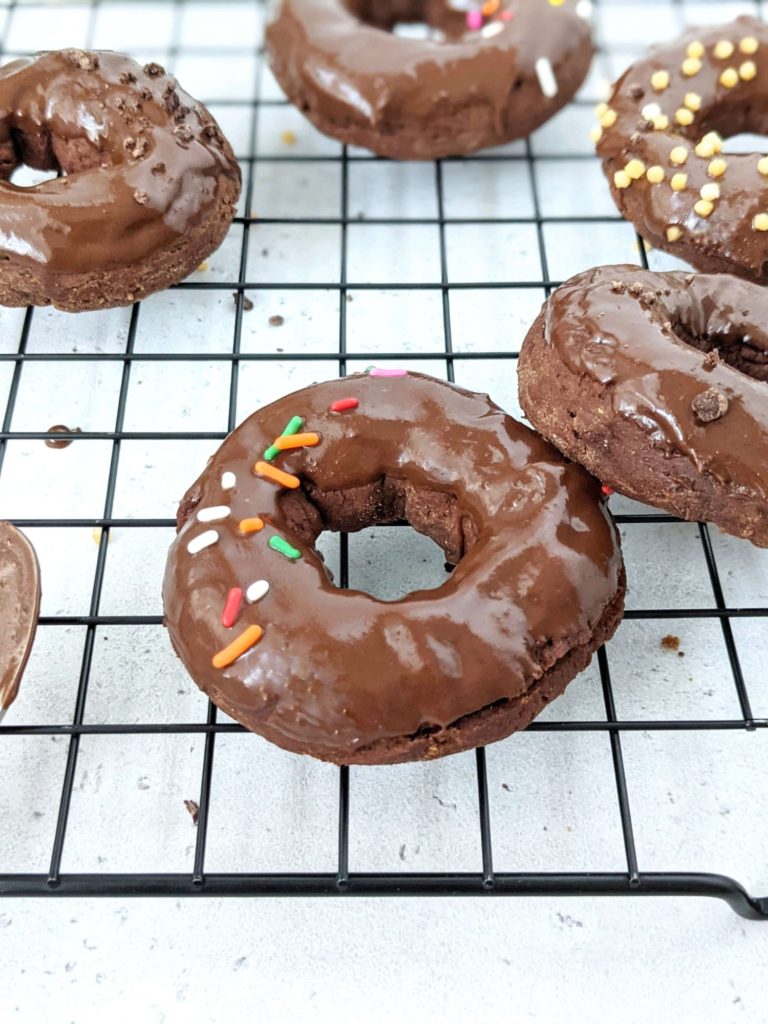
213	513
650	110
228	480
584	9
491	29
546	76
257	590
203	540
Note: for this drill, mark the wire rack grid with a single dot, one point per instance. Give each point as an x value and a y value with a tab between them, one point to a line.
440	266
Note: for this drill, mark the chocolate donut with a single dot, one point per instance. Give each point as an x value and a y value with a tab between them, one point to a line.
488	79
19	607
658	384
338	674
146	189
661	141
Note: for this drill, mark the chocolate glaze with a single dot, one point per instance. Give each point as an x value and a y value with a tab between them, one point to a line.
341	64
61	428
726	240
338	672
140	161
19	606
646	350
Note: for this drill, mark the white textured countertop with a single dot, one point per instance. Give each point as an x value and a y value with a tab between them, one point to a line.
698	798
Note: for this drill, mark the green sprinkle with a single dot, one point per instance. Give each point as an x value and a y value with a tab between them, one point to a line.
295	423
282	545
369	368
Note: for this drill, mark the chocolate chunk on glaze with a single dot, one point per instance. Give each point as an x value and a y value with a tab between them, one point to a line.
341	65
340	675
140	201
621	386
674	182
19	607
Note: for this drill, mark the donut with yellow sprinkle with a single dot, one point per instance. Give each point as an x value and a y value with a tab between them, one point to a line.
660	137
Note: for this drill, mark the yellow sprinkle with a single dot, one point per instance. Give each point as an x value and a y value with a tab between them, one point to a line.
203	266
678	182
678	155
660	80
760	222
596	134
635	169
723	49
684	116
600	109
709	145
717	167
693	101
748	45
655	174
650	110
747	70
673	233
691	66
621	179
695	49
661	122
729	78
608	119
703	207
710	191
288	137
762	165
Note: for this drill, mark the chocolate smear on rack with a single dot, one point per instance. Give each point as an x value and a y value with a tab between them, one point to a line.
63	442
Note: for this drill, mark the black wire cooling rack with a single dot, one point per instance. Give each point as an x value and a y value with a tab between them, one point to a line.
629	882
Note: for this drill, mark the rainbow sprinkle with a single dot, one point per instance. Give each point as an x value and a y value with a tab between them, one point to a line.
294	425
251	525
288	441
232	608
277	476
203	540
282	545
256	591
238	647
382	372
343	404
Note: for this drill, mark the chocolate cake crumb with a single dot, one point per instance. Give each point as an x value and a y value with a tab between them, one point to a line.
158	168
636	91
180	114
210	131
711	359
710	405
84	61
636	288
136	147
146	94
644	125
194	809
182	132
670	642
618	287
276	320
247	303
140	196
154	70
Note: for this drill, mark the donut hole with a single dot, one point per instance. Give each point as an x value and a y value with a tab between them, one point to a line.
386	502
410	18
28	158
734	347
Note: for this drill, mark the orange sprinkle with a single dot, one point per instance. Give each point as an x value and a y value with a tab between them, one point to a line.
276	475
296	441
490	7
251	525
238	647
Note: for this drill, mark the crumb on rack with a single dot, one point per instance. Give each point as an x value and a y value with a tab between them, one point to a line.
276	320
288	137
670	642
194	809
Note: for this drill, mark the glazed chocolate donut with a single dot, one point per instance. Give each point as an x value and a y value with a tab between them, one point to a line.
147	184
480	85
661	140
338	674
658	384
19	606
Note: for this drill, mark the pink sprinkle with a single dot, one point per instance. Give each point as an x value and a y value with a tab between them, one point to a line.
505	15
474	19
381	372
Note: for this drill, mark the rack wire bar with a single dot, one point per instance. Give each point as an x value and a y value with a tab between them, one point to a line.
338	355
